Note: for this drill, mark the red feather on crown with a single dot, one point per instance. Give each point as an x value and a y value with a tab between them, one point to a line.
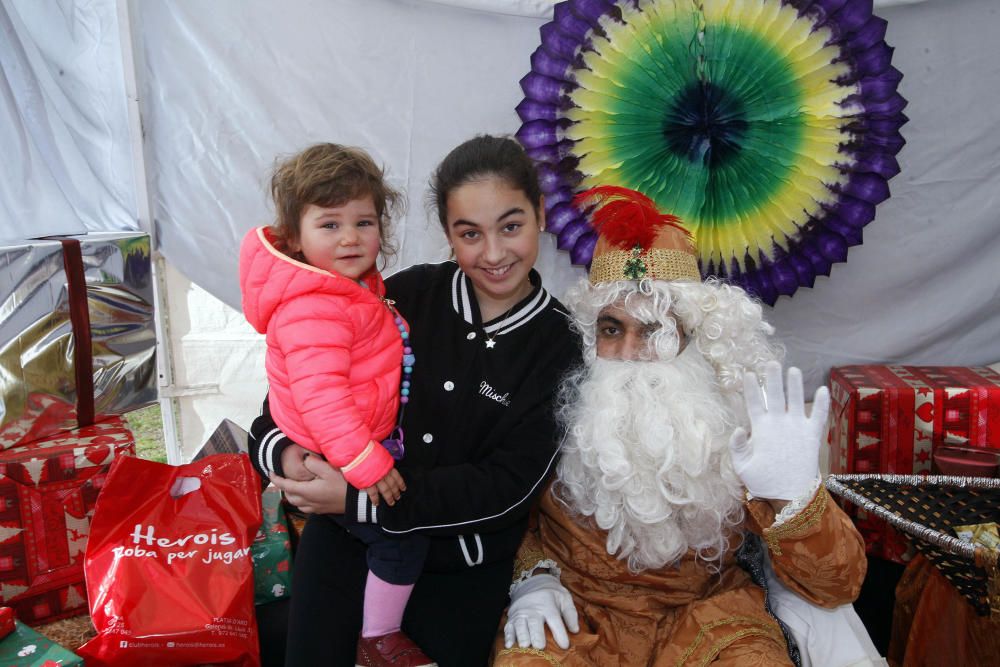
624	217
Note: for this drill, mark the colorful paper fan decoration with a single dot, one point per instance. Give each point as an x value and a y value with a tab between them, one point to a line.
770	127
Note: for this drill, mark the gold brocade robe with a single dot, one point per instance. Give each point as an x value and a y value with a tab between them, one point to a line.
686	614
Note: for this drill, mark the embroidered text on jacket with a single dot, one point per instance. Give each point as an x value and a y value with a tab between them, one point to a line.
486	390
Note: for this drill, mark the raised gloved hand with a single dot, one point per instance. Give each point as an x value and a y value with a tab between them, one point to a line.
780	460
535	603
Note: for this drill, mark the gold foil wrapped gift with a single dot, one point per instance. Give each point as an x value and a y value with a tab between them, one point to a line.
984	534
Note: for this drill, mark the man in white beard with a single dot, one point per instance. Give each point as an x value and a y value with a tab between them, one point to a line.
659	484
647	457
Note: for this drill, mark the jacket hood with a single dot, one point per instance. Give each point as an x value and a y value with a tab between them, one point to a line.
270	278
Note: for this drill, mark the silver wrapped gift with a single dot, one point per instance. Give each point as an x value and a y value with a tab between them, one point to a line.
54	296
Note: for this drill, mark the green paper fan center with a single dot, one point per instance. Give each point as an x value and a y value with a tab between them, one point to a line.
707	124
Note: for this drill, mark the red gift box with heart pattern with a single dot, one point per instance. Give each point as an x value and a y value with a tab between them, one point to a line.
48	491
891	419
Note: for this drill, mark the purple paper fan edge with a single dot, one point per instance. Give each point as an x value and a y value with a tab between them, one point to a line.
822	242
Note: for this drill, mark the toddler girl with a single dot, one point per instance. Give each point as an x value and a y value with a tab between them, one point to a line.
337	353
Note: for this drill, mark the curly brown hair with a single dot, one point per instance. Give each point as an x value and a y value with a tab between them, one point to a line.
329	175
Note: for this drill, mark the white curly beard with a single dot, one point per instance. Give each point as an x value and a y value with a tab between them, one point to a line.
646	455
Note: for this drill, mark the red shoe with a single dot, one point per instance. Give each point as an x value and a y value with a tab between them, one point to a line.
392	650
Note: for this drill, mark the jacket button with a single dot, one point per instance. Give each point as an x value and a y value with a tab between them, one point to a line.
470	335
449	385
428	438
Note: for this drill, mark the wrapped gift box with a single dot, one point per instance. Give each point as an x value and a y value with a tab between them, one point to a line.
48	490
77	336
890	419
26	648
272	552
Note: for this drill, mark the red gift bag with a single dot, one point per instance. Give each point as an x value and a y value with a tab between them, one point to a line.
168	566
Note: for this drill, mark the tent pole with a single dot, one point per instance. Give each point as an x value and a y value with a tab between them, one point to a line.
131	65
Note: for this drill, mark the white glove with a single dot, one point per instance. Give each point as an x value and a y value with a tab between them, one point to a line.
535	603
780	461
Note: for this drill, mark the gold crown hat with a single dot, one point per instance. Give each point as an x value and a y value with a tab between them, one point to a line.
636	241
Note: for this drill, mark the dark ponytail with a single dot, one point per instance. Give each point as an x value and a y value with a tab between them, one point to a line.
479	158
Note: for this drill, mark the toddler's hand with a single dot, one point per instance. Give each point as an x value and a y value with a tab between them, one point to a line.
389	487
292	463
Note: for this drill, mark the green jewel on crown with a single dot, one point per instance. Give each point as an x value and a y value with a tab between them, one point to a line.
635	268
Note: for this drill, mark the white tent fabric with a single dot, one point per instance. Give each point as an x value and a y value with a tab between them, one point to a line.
63	121
226	86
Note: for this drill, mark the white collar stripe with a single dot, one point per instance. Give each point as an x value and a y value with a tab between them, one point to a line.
462	305
466	306
454	290
525	312
527	319
460	296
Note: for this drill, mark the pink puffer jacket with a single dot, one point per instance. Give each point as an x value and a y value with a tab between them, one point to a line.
333	356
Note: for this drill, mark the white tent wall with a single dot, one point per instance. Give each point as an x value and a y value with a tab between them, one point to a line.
218	363
226	86
66	160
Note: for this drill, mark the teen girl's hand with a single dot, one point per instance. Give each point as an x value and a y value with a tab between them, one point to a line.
389	487
325	494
